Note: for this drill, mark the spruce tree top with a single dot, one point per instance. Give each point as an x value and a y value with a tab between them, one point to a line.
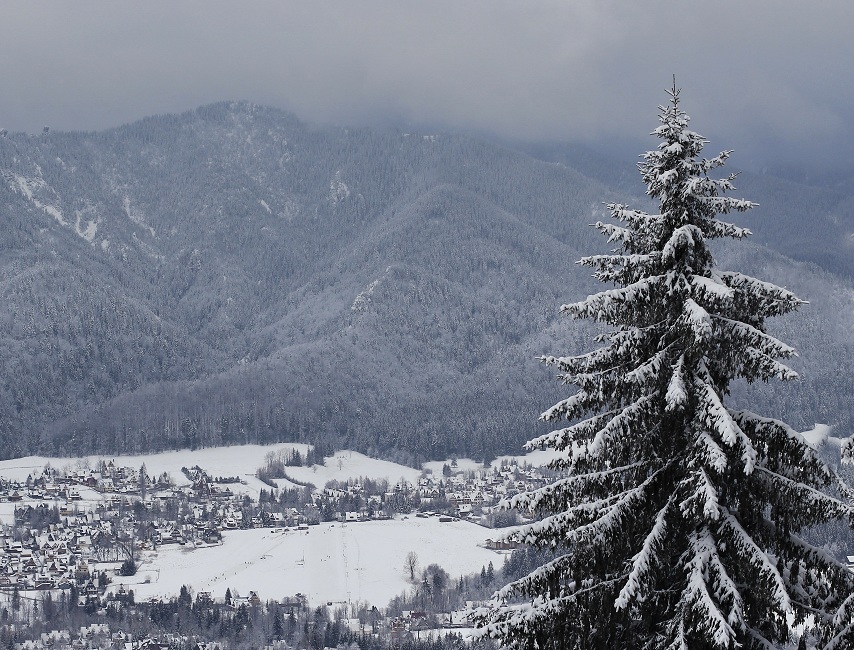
679	522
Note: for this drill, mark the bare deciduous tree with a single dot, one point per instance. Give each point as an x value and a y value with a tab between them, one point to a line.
411	565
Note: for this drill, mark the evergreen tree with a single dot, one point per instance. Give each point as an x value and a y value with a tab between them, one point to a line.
278	625
142	483
292	626
680	521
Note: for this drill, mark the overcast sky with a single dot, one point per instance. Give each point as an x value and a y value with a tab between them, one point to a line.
773	80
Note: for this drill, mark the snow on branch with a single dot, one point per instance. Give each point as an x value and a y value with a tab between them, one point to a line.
580	363
726	204
620	424
698	319
541	574
817	554
680	642
718	418
706	165
593	522
642	563
756	338
819	506
567	490
795	447
676	395
560	439
744	545
601	306
711	452
706	566
704	499
762	641
685	238
762	422
613	232
567	408
701	185
537	615
635	218
845	612
772	295
765	366
567	527
621	268
710	287
841	639
649	368
716	229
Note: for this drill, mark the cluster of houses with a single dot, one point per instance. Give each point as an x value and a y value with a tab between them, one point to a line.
65	522
50	560
469	494
52	484
53	538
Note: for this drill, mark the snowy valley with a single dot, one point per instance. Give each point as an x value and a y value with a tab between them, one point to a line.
343	560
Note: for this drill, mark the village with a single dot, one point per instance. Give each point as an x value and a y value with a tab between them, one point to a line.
76	532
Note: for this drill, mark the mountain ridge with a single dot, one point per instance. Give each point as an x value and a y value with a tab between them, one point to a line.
232	275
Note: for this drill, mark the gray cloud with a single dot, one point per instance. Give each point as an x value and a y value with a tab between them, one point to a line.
770	79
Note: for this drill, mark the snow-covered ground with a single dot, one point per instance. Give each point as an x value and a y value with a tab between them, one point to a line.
331	562
351	464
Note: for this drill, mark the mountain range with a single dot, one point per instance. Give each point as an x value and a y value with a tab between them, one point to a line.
233	275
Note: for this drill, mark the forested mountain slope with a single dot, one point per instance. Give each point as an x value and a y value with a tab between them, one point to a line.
232	275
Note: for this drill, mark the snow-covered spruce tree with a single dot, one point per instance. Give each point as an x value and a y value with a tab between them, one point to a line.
679	523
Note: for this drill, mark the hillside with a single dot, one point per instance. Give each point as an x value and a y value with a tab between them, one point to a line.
231	276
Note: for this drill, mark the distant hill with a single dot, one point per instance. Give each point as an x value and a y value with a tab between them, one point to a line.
231	275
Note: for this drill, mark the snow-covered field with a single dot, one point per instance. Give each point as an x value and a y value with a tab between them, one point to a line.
332	562
351	464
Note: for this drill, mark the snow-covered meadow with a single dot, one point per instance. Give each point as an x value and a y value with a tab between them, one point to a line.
331	562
